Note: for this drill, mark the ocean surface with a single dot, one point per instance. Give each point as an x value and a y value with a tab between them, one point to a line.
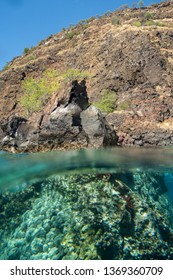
87	204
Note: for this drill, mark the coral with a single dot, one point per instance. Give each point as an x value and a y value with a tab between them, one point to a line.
88	217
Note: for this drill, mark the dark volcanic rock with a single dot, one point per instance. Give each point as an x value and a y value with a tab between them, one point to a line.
76	124
13	124
78	94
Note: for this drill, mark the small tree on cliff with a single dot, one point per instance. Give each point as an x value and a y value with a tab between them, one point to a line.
37	90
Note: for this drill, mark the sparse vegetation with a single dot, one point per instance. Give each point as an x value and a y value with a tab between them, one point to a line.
90	19
137	23
26	51
115	20
148	16
107	102
158	23
70	35
63	29
37	91
32	57
154	23
147	23
150	23
107	14
82	24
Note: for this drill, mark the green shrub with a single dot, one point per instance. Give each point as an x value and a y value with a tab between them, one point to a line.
63	29
32	57
154	23
107	102
158	23
85	26
70	35
148	16
137	23
37	91
75	74
147	23
150	23
115	20
26	50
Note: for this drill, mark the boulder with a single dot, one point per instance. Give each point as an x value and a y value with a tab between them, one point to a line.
76	124
97	129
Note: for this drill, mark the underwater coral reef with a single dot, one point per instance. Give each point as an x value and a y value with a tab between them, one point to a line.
97	216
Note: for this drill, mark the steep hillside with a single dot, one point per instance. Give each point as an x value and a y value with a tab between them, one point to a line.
130	55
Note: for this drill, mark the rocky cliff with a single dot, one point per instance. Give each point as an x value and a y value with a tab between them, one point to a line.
130	55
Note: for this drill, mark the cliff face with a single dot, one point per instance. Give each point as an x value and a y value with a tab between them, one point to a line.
133	62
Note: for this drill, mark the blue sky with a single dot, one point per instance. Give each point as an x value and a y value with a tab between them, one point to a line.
24	23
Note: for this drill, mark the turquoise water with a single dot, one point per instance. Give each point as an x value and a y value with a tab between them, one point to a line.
88	204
